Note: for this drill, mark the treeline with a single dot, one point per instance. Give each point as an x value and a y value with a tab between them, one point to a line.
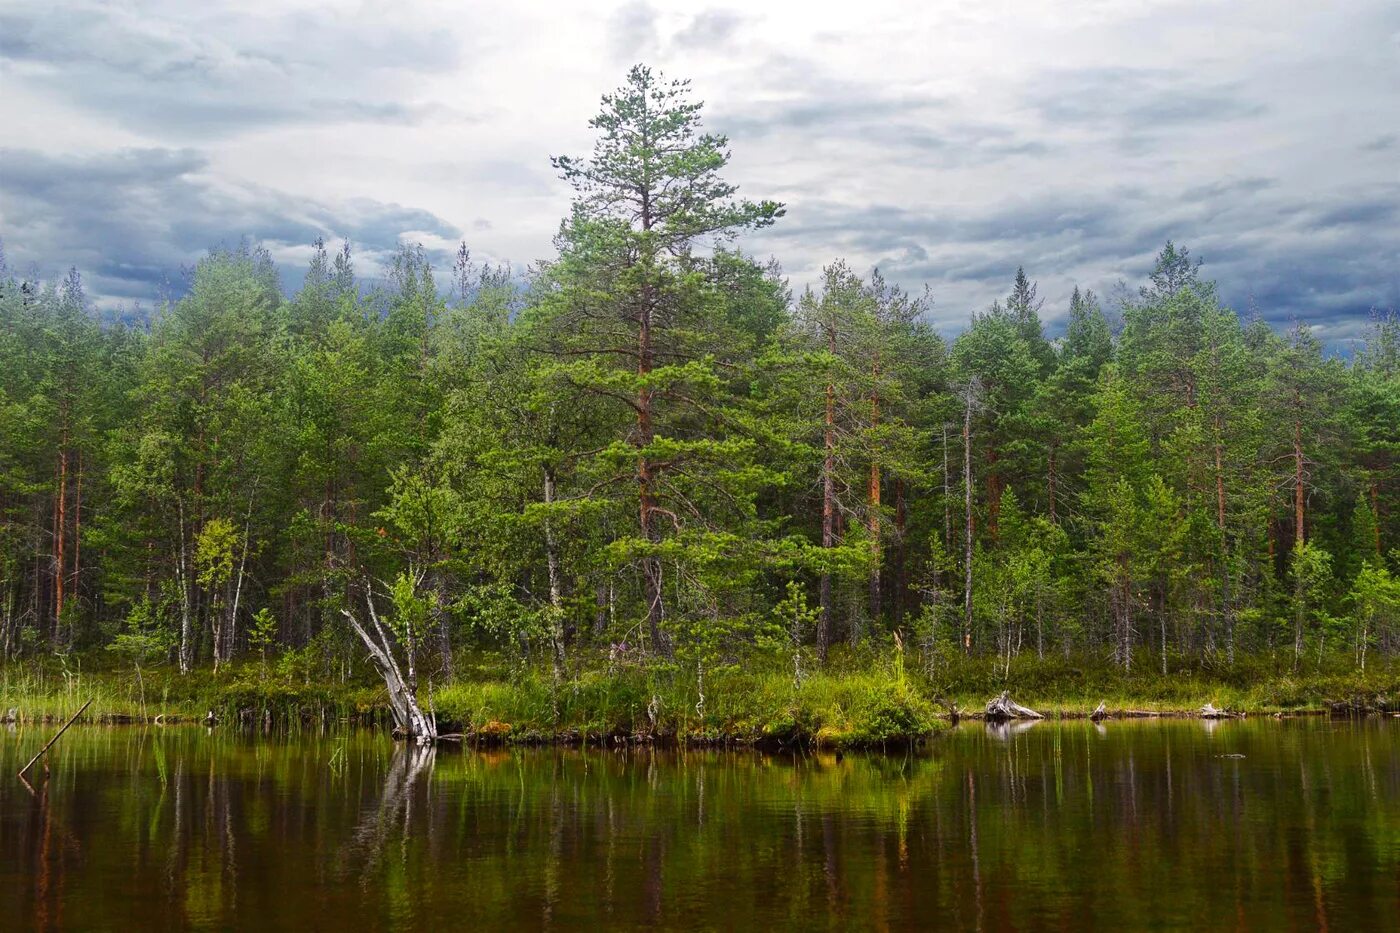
649	447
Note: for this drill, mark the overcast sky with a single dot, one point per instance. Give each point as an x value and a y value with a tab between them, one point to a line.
945	142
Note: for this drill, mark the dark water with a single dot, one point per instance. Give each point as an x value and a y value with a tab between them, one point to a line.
1071	827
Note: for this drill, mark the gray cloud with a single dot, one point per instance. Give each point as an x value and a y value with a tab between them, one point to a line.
633	33
220	73
1326	263
710	29
132	219
1134	100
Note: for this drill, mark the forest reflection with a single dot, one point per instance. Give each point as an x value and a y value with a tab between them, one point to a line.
1060	825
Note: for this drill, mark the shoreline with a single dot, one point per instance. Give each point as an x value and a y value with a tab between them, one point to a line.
496	734
873	704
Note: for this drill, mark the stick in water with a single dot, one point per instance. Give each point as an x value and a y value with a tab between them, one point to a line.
55	738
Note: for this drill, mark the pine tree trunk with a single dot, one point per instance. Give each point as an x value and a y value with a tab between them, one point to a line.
947	498
651	565
1125	615
1299	617
1297	478
60	540
1227	606
875	594
1376	515
78	530
967	537
828	508
901	581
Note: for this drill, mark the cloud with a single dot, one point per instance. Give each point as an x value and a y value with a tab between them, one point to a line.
1319	262
1136	99
130	220
155	67
633	32
710	29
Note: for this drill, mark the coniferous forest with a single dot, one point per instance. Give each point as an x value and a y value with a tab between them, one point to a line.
651	452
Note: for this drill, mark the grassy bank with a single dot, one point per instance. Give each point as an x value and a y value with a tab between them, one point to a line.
851	709
47	691
856	701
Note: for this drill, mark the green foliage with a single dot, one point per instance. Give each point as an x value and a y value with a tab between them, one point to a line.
146	635
216	550
262	633
1375	602
649	449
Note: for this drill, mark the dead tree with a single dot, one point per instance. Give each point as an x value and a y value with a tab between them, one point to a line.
1002	708
409	718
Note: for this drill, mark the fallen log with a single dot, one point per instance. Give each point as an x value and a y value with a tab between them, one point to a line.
1003	708
1099	713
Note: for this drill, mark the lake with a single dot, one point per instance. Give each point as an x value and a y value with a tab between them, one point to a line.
1119	827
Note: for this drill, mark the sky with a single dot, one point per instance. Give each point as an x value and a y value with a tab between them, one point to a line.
944	142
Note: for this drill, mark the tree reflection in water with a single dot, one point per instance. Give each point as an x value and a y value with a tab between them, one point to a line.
1122	825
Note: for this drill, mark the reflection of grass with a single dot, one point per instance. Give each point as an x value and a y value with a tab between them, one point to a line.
858	699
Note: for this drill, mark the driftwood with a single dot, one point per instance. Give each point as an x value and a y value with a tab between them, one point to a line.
1099	713
1211	711
55	738
1003	708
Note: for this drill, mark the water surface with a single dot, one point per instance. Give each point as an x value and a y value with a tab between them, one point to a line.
1059	826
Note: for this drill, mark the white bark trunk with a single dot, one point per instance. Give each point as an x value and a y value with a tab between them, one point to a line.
409	718
1003	707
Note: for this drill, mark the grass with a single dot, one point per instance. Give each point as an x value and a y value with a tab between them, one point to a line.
48	690
833	710
1257	684
858	700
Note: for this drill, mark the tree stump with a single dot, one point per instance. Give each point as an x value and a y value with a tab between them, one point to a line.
1003	708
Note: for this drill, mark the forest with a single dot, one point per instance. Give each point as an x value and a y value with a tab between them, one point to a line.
652	452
